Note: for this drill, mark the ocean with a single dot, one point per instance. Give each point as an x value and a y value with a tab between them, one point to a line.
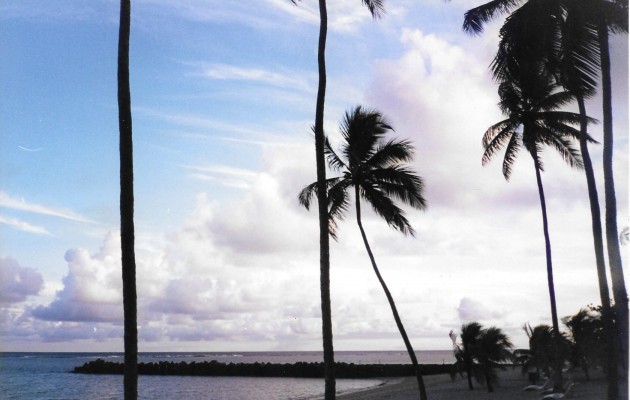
42	376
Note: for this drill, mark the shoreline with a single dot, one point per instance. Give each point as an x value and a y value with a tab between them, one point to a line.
509	387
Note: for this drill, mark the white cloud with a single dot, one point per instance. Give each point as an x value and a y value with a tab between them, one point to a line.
20	204
257	75
92	288
17	282
23	226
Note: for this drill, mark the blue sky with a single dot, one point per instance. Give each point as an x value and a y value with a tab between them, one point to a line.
223	97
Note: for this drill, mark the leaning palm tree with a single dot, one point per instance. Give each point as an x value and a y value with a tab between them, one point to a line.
533	120
376	8
492	351
374	169
126	207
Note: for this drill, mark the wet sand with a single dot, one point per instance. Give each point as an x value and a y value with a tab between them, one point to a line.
509	387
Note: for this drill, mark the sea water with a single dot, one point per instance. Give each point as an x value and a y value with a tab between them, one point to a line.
44	376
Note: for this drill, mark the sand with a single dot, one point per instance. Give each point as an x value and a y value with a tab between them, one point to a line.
510	387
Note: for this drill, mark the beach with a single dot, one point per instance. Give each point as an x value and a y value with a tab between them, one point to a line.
509	387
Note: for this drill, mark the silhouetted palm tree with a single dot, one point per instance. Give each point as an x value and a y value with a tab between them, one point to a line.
589	342
492	350
465	351
126	207
612	239
531	106
376	8
588	23
374	169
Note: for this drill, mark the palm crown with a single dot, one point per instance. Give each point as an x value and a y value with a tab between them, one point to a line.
533	120
372	165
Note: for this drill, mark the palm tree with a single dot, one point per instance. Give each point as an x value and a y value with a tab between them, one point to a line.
530	102
465	352
540	348
492	350
126	207
589	342
376	8
374	168
581	47
612	238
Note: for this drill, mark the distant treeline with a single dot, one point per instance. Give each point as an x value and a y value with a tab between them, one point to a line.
296	370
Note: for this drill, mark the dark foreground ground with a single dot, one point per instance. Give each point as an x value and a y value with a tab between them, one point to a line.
440	387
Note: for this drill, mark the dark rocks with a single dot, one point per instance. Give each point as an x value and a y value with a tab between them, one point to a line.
296	370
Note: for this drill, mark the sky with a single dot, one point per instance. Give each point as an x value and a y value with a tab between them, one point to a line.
223	100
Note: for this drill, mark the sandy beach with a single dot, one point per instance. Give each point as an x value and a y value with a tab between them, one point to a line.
510	387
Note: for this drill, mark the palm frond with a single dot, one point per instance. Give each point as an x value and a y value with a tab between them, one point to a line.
306	194
475	18
385	207
565	148
391	152
400	183
362	130
338	203
493	140
496	130
334	161
511	151
376	7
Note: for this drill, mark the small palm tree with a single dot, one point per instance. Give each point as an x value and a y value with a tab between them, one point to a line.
465	350
374	169
492	350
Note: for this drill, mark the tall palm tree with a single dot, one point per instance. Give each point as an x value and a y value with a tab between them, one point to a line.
465	351
374	169
533	120
126	207
612	237
376	8
492	351
595	18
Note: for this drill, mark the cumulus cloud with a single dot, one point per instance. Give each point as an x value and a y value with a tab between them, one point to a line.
17	282
472	310
92	288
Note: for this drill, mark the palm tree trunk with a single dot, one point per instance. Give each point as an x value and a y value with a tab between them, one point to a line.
390	299
598	243
469	374
557	386
324	240
126	207
612	236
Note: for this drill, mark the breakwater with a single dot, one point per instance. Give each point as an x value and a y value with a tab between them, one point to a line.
294	370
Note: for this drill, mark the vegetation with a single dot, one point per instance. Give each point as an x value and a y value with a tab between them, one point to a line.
480	352
588	340
569	40
374	170
126	207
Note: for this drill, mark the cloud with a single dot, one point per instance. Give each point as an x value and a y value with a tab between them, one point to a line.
23	226
227	176
472	310
17	282
257	75
20	204
92	288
